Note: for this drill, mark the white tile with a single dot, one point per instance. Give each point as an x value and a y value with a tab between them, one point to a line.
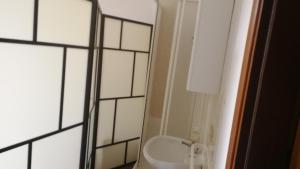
64	21
8	159
112	31
60	151
140	74
105	122
129	118
132	150
116	76
75	82
30	90
16	18
136	36
110	157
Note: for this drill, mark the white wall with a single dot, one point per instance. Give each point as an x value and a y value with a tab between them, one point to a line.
232	69
138	10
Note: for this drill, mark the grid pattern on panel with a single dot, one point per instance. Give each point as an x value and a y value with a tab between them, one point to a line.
116	93
78	47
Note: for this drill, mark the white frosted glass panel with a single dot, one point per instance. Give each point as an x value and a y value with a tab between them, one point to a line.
64	21
91	133
75	80
112	31
60	151
30	90
136	36
105	122
132	151
8	159
140	74
16	19
129	120
116	73
110	157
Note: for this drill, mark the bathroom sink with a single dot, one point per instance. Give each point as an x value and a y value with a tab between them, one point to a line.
166	152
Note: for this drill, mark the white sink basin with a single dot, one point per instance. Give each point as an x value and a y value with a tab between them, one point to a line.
166	152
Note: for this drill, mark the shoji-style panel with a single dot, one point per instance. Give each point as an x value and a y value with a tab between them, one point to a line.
105	122
132	152
60	22
30	90
61	151
140	74
116	73
8	159
16	25
122	87
129	118
75	83
48	65
112	34
111	156
136	36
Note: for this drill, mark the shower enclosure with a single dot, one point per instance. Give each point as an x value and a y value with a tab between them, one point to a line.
73	86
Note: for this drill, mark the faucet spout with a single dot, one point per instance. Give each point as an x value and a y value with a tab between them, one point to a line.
188	143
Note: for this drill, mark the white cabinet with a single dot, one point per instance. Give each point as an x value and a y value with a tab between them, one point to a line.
209	47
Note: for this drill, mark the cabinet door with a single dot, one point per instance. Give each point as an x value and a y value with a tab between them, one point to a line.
209	48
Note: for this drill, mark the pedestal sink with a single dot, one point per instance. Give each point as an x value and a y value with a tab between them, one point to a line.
166	152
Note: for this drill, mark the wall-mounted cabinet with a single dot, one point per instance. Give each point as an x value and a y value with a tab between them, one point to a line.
209	47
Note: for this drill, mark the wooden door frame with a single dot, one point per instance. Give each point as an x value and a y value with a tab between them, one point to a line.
244	82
